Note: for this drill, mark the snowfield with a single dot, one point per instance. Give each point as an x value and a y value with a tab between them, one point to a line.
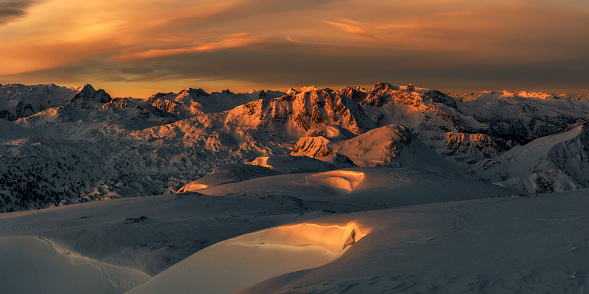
397	189
535	244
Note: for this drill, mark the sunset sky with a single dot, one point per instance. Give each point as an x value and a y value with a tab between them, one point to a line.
139	47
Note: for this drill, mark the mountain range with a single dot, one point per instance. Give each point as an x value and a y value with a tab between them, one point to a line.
63	145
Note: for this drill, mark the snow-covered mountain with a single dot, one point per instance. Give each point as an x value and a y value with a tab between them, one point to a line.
17	100
392	145
64	145
433	117
553	163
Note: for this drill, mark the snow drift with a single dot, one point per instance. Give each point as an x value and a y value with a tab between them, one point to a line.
245	260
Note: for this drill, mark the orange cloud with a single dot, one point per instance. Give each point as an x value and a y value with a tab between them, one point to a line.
352	27
231	41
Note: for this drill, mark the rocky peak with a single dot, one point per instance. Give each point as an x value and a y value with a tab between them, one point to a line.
358	94
117	103
383	93
89	98
196	93
160	96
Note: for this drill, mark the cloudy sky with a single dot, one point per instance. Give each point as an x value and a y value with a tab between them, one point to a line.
140	47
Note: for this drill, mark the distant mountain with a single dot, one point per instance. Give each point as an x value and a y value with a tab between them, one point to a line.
61	145
524	116
18	100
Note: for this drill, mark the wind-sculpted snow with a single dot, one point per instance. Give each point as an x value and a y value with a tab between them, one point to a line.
337	181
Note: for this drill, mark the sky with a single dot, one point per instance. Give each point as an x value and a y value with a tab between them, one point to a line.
140	47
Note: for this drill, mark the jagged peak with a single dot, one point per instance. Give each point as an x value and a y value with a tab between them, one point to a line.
191	94
385	87
88	96
259	93
87	89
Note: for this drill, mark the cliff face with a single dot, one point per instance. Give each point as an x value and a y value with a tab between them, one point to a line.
307	110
